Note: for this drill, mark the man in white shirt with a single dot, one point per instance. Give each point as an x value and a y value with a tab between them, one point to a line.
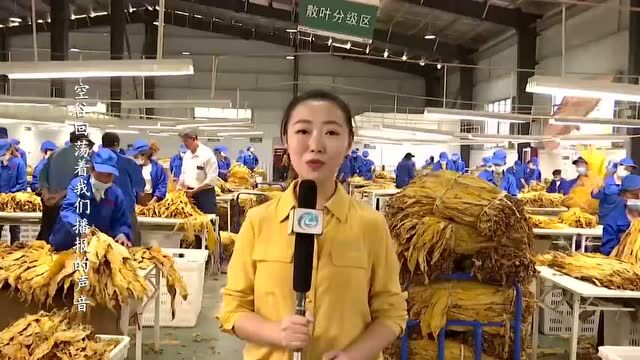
199	173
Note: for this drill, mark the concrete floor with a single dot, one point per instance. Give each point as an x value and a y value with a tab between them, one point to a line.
204	341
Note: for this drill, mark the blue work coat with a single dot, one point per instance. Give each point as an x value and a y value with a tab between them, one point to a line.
13	176
36	173
109	215
23	155
130	181
405	172
532	174
366	169
175	166
458	166
559	187
159	180
507	185
356	162
450	166
612	205
224	165
250	160
344	173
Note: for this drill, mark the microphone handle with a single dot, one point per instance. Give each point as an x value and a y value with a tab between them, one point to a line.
300	310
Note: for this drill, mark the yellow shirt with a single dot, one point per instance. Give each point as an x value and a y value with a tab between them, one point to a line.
355	275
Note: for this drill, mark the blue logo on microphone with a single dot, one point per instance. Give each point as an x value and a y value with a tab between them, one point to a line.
308	221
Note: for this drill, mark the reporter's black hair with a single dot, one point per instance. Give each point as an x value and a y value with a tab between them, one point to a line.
318	95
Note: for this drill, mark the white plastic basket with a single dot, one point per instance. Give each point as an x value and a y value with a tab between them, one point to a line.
121	351
620	329
559	320
190	263
619	352
162	239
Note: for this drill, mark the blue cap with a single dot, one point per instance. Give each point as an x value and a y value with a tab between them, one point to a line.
486	160
5	145
517	163
365	154
221	148
48	145
139	146
534	160
182	148
499	157
455	157
104	161
627	162
443	156
15	142
354	152
630	182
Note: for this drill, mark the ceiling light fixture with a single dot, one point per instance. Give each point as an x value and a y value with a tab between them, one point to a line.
95	68
555	85
404	56
153	127
118	131
292	30
386	53
246	123
290	57
330	41
168	104
439	114
184	52
422	61
241	133
429	36
74	49
15	19
367	50
439	66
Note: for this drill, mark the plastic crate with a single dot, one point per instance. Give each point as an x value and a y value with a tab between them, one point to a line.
559	320
620	329
121	351
619	352
190	263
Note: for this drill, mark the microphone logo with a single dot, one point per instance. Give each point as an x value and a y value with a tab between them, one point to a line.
307	221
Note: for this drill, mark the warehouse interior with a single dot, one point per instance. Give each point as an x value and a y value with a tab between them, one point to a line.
475	61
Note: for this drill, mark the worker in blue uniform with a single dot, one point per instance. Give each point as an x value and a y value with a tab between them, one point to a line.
16	144
499	177
175	165
559	185
630	189
240	156
405	171
95	198
224	163
154	175
444	163
46	148
582	169
13	178
344	173
486	163
612	210
130	181
367	166
355	161
532	174
458	163
249	159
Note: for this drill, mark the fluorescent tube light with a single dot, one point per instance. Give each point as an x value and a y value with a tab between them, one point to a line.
153	127
240	133
201	125
16	19
439	114
430	36
172	104
214	128
95	68
554	85
626	123
118	131
221	113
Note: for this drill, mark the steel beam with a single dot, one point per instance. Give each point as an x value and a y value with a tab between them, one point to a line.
634	68
149	50
117	28
60	16
4	56
481	10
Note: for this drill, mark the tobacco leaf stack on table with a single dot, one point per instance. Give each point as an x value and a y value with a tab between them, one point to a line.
446	222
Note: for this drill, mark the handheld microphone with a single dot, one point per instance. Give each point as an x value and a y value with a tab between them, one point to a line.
307	222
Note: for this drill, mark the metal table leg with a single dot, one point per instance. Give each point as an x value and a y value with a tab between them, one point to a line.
575	329
536	321
583	241
138	335
156	315
573	243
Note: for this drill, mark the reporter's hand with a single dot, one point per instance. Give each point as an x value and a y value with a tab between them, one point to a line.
295	332
122	240
336	355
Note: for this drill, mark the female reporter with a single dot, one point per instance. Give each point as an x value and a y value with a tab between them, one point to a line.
355	307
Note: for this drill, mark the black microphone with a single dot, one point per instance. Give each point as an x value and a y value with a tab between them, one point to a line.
307	222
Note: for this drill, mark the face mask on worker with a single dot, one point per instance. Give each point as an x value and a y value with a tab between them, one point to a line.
557	178
622	172
99	188
497	168
532	167
581	170
443	163
139	161
489	166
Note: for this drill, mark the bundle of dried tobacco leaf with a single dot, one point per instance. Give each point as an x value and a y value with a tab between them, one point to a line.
629	247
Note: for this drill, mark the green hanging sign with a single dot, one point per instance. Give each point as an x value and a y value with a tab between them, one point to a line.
350	20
